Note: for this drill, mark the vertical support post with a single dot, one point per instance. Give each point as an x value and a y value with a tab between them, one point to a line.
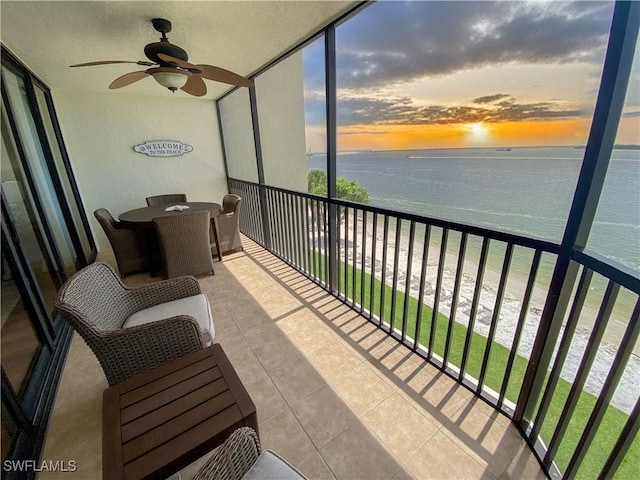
332	148
264	205
604	127
222	146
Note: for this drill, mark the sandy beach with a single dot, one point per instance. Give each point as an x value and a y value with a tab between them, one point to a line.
627	391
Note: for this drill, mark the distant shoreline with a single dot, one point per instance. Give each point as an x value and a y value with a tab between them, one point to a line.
615	147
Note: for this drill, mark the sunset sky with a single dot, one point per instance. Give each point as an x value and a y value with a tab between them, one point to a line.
427	74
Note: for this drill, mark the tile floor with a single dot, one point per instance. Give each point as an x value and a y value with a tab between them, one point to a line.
334	395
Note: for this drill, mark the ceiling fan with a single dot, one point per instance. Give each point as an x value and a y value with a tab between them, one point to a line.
171	69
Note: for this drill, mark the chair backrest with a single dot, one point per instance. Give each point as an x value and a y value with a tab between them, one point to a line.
234	458
95	300
165	199
126	246
106	220
184	242
231	203
229	225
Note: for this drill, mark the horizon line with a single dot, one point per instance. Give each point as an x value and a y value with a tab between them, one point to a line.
631	146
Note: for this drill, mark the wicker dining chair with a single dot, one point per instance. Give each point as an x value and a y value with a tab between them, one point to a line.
132	330
228	225
125	242
166	199
239	457
184	243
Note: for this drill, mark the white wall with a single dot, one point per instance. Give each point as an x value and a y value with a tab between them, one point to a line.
100	131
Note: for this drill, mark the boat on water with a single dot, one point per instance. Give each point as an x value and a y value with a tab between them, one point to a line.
503	149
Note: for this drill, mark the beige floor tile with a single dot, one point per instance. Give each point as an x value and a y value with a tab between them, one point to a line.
302	318
272	346
334	359
296	380
438	399
323	304
441	459
267	399
523	466
402	474
323	415
313	293
357	454
76	423
397	361
284	435
236	348
249	368
249	318
306	340
315	468
416	376
226	331
490	443
361	388
401	427
478	404
337	312
345	321
365	336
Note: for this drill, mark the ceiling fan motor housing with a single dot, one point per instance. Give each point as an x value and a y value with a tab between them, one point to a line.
153	49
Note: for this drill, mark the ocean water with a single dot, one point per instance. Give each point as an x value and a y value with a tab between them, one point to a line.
526	190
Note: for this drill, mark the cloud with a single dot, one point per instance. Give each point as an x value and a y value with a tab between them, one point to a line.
403	41
403	111
491	98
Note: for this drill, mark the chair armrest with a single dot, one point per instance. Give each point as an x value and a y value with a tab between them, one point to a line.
126	352
232	459
165	291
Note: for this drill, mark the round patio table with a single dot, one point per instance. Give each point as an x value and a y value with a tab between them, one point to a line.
142	219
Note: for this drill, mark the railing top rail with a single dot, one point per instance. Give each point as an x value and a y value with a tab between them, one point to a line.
621	274
531	242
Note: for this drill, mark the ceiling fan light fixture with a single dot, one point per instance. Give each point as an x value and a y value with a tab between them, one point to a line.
170	78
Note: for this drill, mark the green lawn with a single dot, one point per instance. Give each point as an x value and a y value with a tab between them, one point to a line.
610	427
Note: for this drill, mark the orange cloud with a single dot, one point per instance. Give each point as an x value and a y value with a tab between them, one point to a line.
407	137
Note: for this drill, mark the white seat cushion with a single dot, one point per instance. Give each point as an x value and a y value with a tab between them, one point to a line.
196	306
271	466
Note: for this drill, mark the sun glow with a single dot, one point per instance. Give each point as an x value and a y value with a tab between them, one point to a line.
478	132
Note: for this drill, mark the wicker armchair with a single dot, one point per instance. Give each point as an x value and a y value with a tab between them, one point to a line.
239	457
184	243
132	330
228	225
125	242
165	199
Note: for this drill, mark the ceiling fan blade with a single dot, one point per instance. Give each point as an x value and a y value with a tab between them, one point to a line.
179	62
225	76
209	71
107	62
128	79
195	86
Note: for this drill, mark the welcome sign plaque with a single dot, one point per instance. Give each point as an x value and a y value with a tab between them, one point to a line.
163	148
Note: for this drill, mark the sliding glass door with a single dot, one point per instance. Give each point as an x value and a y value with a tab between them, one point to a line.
45	238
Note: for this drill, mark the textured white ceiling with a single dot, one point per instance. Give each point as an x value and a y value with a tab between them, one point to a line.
240	36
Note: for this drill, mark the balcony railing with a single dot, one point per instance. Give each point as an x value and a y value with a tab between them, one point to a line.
469	300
